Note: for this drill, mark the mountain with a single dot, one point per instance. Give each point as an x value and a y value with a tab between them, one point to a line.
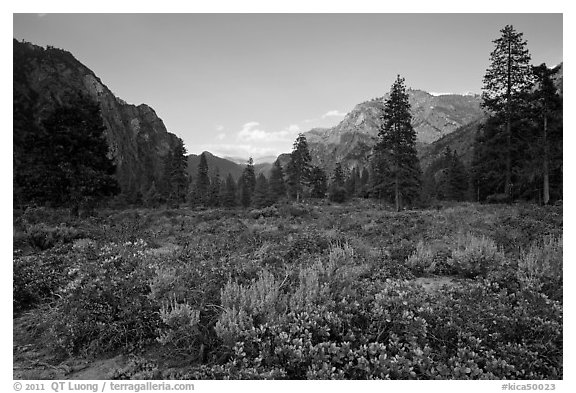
351	141
137	138
215	164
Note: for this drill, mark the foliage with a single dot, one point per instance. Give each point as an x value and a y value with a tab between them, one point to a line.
261	192
337	191
276	184
318	183
105	304
66	161
247	184
299	168
473	256
395	163
298	291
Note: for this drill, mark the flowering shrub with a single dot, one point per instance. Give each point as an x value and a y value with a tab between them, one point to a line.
105	305
475	256
541	267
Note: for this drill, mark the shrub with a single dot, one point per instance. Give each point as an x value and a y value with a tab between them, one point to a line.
43	237
38	278
475	256
248	306
541	266
106	305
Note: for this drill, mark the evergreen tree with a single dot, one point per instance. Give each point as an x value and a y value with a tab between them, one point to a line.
247	183
337	192
228	195
299	168
214	190
202	182
178	174
318	183
261	197
395	163
68	160
547	108
364	183
353	182
457	178
506	82
277	188
152	197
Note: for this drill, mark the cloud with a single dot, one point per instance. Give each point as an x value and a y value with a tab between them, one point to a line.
333	113
221	136
219	127
252	132
239	150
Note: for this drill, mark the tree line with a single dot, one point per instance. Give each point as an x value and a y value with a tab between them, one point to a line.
517	154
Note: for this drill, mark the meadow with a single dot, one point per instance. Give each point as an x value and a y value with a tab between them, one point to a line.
293	291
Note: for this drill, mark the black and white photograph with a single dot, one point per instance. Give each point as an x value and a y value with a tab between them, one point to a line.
287	196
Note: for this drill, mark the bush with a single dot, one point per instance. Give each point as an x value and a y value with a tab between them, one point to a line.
43	237
106	304
475	256
38	278
540	268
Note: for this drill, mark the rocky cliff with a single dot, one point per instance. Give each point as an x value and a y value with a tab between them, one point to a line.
137	138
352	139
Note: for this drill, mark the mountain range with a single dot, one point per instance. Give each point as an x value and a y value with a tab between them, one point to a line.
139	142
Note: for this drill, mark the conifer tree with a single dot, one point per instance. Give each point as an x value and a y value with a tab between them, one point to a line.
69	162
547	107
457	178
214	190
506	83
261	197
202	181
247	183
395	163
318	183
228	192
277	188
178	177
337	192
152	197
299	168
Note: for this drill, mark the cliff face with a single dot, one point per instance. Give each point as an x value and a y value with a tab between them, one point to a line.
352	139
137	138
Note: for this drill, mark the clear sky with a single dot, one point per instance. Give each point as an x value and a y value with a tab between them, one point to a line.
246	84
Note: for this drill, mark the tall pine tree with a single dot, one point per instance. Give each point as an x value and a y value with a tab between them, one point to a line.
247	183
547	113
68	161
299	168
277	188
395	163
337	192
178	176
506	83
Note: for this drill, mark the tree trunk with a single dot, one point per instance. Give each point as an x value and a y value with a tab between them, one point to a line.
545	166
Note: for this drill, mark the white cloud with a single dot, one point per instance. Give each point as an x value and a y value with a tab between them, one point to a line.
333	113
221	136
239	150
219	127
252	132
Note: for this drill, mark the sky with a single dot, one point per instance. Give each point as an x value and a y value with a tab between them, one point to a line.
241	85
